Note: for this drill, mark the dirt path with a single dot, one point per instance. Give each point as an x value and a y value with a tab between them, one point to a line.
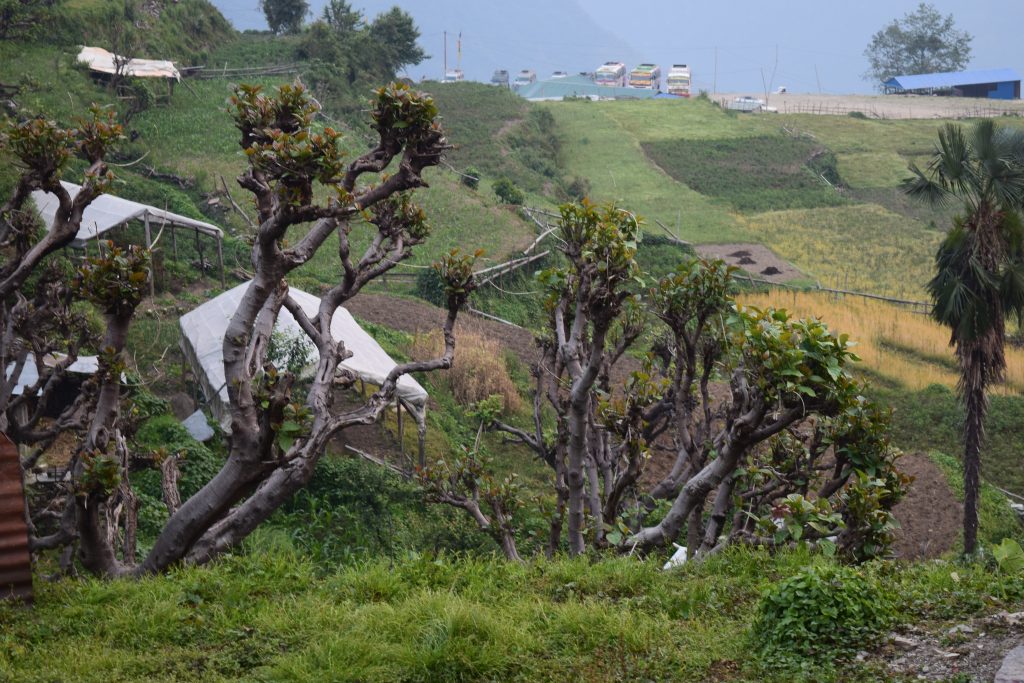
930	516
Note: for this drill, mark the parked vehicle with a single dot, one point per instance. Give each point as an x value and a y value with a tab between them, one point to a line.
500	78
746	103
525	78
453	75
645	76
559	74
611	74
678	81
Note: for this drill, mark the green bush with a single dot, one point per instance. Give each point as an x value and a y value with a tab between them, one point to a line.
507	192
198	463
471	177
430	287
825	609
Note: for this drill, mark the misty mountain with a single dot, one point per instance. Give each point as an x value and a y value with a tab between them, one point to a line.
545	35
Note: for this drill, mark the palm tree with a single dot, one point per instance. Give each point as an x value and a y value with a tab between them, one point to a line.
979	278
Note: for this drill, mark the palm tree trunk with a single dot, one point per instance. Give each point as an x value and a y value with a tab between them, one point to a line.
973	435
975	373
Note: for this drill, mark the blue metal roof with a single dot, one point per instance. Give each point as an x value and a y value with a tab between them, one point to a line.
952	79
579	86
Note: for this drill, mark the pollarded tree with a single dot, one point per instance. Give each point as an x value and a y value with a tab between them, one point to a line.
792	438
922	42
276	438
979	277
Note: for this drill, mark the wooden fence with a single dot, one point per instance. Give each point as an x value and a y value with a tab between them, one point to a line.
896	110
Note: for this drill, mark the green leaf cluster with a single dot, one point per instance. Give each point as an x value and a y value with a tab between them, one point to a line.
823	610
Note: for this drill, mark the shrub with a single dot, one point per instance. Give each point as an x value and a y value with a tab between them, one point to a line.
430	287
825	609
471	177
857	115
577	189
478	371
507	192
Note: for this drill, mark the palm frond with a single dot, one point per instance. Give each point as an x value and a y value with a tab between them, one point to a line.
923	188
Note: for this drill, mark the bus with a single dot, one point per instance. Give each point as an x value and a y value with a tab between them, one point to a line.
645	76
679	80
525	78
611	74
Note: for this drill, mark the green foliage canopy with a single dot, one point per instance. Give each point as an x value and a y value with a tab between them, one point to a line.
923	41
284	16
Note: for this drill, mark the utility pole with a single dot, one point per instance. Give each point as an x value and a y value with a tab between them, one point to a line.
445	74
817	78
714	87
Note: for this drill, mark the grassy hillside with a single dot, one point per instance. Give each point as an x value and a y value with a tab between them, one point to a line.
182	30
271	616
721	177
610	156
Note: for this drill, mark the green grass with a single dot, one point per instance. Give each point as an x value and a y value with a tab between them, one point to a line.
184	31
271	615
764	173
872	169
600	149
697	119
996	519
932	420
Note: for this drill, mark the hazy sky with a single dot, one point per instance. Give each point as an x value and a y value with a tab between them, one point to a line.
820	43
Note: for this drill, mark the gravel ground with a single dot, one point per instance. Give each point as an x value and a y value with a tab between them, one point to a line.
886	106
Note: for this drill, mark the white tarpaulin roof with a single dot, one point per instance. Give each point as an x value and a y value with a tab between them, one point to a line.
83	365
107	212
100	60
202	340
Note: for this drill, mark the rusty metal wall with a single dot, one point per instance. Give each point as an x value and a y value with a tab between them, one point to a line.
15	561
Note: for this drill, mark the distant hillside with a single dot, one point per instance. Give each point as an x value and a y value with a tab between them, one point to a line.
182	30
530	34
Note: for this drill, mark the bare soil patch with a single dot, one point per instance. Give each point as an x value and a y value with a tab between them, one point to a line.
756	259
930	515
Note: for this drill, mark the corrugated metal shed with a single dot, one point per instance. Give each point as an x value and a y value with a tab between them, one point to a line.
581	86
15	561
956	80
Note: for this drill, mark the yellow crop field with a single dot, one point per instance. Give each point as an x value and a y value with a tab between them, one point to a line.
893	342
865	248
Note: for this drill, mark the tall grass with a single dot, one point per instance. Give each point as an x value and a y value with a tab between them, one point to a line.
269	615
904	347
479	369
864	248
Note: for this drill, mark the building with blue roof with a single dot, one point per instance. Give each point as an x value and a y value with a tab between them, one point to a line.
995	84
580	86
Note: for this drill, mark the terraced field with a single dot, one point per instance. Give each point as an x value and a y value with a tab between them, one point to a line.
821	191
